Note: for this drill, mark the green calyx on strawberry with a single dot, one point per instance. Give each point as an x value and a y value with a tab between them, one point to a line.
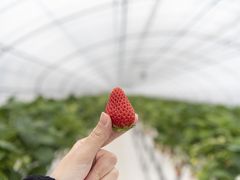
120	110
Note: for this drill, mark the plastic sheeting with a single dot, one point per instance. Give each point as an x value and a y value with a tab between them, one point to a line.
186	49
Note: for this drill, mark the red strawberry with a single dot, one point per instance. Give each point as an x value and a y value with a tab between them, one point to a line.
120	110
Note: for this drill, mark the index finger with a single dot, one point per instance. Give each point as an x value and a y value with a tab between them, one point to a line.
115	134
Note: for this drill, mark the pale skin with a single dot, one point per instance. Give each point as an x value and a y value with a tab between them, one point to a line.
86	160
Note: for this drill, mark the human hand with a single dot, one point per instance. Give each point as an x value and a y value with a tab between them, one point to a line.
86	160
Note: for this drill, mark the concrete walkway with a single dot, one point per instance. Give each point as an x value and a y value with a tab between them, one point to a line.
138	159
129	163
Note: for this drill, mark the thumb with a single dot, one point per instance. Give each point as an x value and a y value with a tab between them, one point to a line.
100	134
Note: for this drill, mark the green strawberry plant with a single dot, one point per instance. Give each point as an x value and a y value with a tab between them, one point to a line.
207	134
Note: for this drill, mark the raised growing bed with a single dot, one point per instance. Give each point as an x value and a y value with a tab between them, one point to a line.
206	137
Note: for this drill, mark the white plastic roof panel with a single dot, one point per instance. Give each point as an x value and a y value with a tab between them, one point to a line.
186	49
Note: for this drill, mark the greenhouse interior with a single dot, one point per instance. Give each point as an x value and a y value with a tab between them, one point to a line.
177	61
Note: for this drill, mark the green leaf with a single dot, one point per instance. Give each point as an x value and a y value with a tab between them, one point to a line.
4	145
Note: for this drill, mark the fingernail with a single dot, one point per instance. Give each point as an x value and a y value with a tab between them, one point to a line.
104	119
136	118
